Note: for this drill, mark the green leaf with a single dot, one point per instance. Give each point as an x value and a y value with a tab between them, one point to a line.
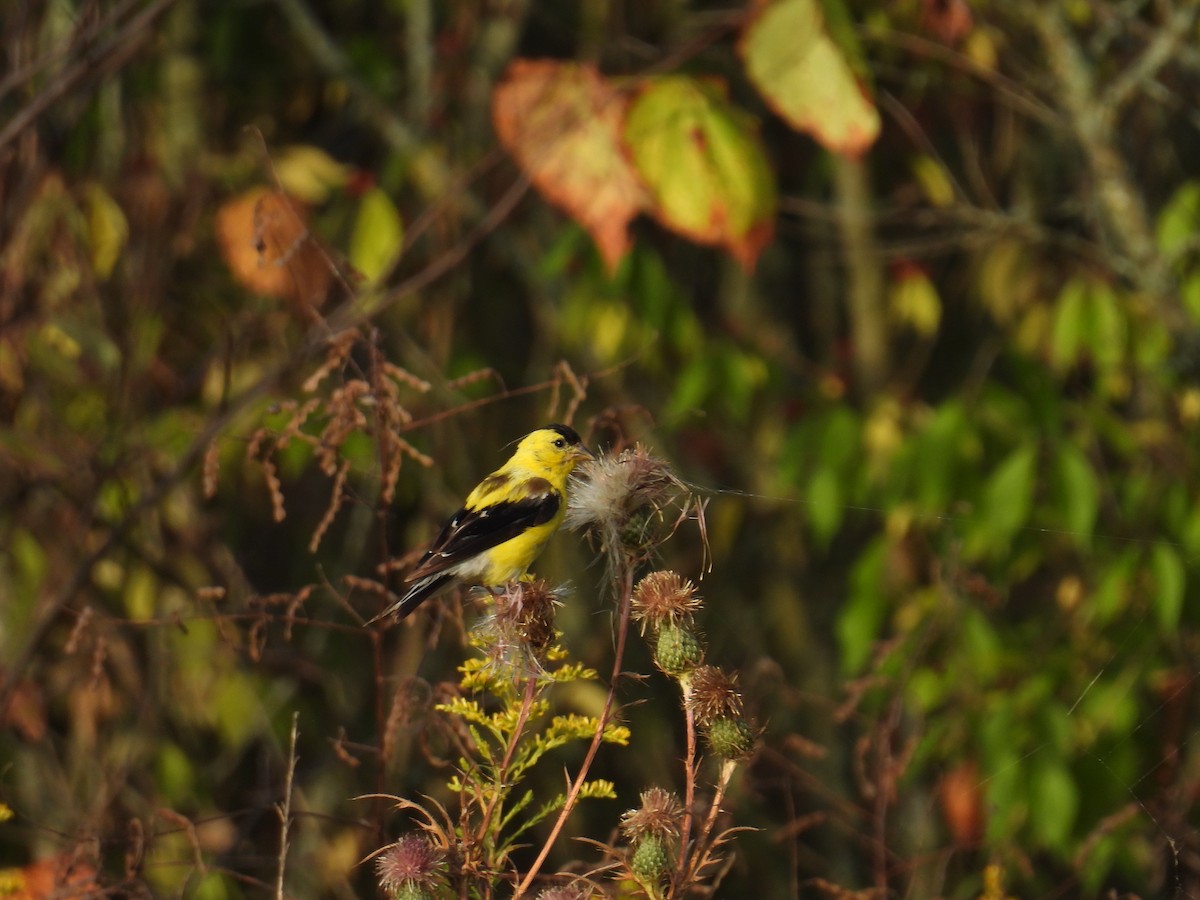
1070	330
803	75
1112	593
378	235
691	388
1080	492
704	165
981	646
1180	218
1190	293
1106	327
1170	582
1053	801
861	619
938	448
175	775
824	503
1007	499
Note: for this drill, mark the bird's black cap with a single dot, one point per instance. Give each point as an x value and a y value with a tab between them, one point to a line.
567	432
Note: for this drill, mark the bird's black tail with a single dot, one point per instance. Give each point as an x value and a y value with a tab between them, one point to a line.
418	593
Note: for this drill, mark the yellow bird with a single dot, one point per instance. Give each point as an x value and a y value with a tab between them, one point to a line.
503	524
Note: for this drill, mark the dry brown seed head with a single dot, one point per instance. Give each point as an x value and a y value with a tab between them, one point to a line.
713	695
525	615
659	815
665	597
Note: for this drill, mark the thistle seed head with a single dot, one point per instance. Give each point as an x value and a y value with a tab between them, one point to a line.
659	815
525	612
713	695
520	632
612	493
409	868
714	700
663	598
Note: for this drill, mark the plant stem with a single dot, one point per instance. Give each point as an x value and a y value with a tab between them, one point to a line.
865	286
284	809
597	738
502	770
702	837
689	771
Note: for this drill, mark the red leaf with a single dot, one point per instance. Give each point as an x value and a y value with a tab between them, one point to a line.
562	122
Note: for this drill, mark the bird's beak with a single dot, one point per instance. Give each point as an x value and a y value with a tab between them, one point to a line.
583	453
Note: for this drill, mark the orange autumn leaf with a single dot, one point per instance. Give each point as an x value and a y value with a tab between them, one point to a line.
266	242
960	794
61	877
562	122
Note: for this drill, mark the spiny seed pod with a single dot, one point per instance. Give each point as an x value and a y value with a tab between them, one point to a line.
651	861
664	598
409	868
713	695
678	650
730	738
653	830
525	614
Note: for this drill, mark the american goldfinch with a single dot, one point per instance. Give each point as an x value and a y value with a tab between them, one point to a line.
503	524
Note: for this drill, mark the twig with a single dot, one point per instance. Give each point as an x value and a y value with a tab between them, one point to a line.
91	62
728	767
1121	206
864	274
1160	51
597	738
689	771
284	810
509	751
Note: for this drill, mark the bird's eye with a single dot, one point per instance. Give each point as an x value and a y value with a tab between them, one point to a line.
560	443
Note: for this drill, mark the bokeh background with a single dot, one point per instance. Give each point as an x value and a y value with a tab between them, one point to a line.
276	290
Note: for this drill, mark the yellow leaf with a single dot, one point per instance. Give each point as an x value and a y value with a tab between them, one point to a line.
803	75
934	181
914	302
310	173
378	235
108	229
704	165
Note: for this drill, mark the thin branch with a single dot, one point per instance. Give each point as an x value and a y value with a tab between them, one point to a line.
689	771
1121	207
92	62
509	752
1161	50
432	176
704	845
284	810
864	275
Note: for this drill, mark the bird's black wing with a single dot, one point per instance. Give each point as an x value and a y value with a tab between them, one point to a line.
472	531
